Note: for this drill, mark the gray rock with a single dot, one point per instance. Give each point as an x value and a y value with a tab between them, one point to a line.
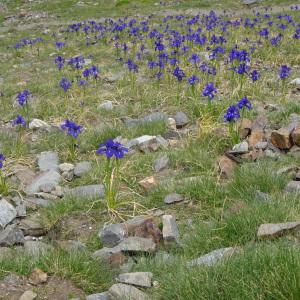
141	141
162	142
10	236
99	296
173	198
28	295
261	145
105	253
249	2
36	248
122	291
181	119
48	177
47	161
66	167
107	105
295	81
113	78
154	117
137	245
142	279
36	202
293	187
287	170
7	213
213	257
271	154
36	124
47	188
240	148
82	168
161	163
273	230
86	191
32	227
261	195
73	245
170	230
111	235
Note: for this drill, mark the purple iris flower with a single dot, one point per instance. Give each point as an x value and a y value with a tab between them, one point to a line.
2	159
284	72
22	97
19	120
244	103
111	148
232	114
65	84
209	90
71	128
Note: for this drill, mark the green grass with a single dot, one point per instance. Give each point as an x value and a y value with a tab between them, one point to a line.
216	213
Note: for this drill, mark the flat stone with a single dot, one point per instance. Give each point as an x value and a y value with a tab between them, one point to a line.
240	148
170	230
181	119
281	138
141	141
36	248
137	245
111	235
66	167
261	145
28	295
86	191
99	296
154	117
72	245
293	187
295	81
107	105
213	257
11	236
287	170
7	213
141	279
148	183
161	163
32	227
47	177
47	161
115	77
34	203
122	291
82	168
37	124
274	230
24	174
249	2
105	253
173	198
226	166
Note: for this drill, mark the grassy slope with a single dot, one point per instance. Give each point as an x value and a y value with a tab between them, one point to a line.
264	270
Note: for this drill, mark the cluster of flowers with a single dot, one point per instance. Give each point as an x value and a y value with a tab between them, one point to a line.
27	42
2	159
233	112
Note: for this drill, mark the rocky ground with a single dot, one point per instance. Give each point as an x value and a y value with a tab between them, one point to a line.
216	212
